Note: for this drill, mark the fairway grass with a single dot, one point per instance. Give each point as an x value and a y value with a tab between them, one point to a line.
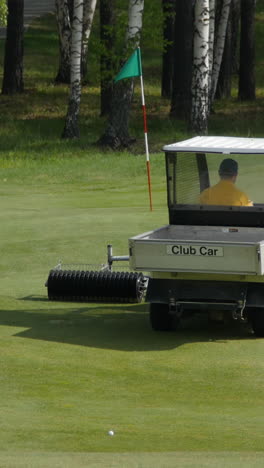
70	372
134	460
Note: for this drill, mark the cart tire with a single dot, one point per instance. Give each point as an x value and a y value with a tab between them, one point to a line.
160	318
257	322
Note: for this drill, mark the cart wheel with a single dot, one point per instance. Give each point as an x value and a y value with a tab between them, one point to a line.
160	318
257	321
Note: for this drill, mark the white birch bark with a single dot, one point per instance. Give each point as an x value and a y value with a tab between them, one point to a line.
133	32
88	15
211	39
200	80
135	15
71	129
219	47
64	31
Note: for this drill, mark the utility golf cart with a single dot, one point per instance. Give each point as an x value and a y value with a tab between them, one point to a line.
209	258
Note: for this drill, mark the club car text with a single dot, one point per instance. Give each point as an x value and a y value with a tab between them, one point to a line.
195	250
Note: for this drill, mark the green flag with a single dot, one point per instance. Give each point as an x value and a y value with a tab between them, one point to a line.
132	67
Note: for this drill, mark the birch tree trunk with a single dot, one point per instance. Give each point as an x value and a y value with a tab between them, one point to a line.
63	10
71	129
14	51
116	134
135	13
219	47
211	39
200	81
64	14
88	15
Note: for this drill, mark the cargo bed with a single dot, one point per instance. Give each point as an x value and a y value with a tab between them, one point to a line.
201	249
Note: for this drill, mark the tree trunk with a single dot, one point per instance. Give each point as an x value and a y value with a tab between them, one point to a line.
235	28
13	64
200	81
64	31
107	35
247	85
71	129
219	47
169	7
88	15
116	134
223	89
211	39
183	60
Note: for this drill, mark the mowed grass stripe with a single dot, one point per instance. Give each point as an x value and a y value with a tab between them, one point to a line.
135	460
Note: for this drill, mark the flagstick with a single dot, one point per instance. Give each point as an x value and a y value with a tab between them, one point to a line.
146	140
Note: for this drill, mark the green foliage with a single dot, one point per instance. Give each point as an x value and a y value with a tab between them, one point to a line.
3	12
33	121
152	37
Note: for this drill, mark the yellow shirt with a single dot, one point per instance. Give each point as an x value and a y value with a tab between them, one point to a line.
224	193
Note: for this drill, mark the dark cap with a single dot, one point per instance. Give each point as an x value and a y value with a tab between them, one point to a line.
228	166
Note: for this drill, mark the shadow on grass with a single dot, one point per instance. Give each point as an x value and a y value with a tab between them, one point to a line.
118	327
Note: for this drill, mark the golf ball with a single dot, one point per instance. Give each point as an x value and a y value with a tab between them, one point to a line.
111	433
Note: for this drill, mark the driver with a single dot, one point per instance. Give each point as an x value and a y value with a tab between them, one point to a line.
225	191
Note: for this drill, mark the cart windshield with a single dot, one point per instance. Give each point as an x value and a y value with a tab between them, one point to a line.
218	180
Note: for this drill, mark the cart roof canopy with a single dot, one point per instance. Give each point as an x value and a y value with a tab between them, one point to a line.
218	144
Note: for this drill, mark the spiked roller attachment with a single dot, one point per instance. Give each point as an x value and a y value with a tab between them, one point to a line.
95	286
